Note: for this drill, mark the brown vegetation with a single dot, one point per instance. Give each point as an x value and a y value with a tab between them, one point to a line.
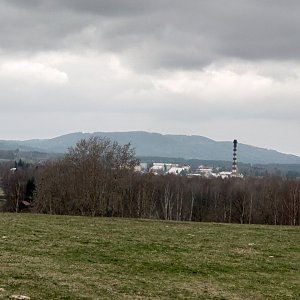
97	178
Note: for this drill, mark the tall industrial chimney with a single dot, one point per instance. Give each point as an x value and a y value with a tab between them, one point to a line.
234	167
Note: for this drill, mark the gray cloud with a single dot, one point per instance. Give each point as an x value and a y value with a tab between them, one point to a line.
171	34
211	67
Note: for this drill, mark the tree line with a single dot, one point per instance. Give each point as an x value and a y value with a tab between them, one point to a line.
97	178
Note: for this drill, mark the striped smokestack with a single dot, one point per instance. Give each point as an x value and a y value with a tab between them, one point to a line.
234	167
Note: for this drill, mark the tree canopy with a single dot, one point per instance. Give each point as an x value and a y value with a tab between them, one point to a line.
86	180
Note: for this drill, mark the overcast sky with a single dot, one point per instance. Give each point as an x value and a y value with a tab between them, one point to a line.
223	69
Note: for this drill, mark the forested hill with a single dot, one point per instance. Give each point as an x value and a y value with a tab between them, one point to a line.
155	144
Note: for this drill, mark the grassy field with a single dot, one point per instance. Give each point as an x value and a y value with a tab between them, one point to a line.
57	257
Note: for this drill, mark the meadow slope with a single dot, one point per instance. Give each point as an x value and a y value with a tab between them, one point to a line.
63	257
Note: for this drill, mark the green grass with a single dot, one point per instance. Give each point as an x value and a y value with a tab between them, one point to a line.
59	257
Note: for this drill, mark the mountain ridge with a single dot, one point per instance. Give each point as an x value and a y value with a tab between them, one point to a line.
163	145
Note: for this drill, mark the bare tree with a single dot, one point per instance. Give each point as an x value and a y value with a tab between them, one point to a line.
86	179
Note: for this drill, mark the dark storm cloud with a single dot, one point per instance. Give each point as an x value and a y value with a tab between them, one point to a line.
155	34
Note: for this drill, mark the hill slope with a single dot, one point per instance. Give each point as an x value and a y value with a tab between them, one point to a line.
154	144
63	257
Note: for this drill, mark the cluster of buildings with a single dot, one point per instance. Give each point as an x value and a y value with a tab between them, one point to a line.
165	169
161	168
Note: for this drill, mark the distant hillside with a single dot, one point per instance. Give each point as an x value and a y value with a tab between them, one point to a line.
154	144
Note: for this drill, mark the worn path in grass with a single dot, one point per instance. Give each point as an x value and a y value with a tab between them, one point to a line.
60	257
